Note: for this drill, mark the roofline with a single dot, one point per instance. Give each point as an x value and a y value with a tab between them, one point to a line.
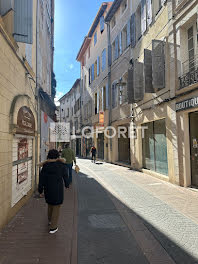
85	42
74	86
116	4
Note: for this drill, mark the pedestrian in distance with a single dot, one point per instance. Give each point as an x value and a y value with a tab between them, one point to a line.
68	155
53	178
93	154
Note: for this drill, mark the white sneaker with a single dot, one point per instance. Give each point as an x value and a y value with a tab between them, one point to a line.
52	231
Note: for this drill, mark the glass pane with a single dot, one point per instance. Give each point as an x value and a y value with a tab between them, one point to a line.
148	147
161	147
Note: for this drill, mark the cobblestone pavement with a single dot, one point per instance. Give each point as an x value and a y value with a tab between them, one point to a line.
173	223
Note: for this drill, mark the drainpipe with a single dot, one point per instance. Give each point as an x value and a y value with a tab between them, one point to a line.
109	81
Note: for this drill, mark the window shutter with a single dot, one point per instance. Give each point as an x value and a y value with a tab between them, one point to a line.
149	12
116	47
109	55
133	31
89	76
107	96
101	24
5	6
128	33
98	102
98	66
143	16
104	60
138	81
130	86
120	43
158	64
23	21
92	72
148	84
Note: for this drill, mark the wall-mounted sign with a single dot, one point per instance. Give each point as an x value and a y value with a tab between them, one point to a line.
25	121
187	104
101	118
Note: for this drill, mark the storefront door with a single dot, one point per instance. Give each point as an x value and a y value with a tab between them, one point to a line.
194	147
124	148
100	149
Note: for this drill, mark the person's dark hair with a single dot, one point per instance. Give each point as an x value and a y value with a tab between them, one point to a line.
67	145
53	154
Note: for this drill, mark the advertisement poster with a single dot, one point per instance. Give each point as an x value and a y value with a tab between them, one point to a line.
22	149
22	172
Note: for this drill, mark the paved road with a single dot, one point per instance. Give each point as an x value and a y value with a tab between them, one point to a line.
100	187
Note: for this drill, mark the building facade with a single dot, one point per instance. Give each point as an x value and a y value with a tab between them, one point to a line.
70	112
18	111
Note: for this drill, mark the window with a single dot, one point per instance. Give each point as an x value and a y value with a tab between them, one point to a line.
95	70
95	38
138	23
104	60
124	6
89	52
89	76
92	73
96	103
103	98
102	24
113	22
154	146
124	38
113	50
67	112
98	66
191	51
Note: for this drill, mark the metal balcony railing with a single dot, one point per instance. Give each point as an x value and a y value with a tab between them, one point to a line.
189	72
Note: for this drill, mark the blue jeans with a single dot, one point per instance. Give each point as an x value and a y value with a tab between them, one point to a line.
69	171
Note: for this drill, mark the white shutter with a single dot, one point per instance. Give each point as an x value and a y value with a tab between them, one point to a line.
143	16
23	21
149	12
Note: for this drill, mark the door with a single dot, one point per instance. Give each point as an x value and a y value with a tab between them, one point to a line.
100	150
193	118
124	148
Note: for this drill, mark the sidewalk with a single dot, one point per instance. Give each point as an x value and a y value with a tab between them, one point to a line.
26	239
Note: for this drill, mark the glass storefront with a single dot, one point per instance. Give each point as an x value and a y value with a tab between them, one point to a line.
154	147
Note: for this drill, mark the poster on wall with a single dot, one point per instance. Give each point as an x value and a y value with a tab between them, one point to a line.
22	149
22	172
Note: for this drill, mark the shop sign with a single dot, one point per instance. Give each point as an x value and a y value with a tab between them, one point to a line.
25	121
101	118
187	104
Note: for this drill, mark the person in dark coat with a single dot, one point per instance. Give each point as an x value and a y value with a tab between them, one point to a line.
53	178
93	153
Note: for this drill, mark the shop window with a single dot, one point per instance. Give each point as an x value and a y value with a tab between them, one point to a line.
155	147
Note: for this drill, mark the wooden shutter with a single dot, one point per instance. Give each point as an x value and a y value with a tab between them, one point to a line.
120	43
101	24
149	12
143	16
138	81
133	31
23	21
5	6
148	81
109	55
116	47
130	86
128	33
158	64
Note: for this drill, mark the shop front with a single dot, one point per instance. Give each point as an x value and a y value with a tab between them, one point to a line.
124	155
100	146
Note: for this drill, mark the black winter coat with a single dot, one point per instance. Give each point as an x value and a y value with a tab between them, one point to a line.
52	179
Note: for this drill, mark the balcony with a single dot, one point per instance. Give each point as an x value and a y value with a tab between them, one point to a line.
189	73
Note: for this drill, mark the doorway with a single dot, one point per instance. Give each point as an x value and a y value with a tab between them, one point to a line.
193	120
100	146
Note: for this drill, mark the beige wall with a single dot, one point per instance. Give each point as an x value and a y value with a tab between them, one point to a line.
13	81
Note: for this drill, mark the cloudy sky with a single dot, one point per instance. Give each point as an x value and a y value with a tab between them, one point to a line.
72	22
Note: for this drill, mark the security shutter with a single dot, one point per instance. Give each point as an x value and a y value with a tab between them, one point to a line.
158	64
128	33
138	81
23	21
143	16
149	12
5	6
130	86
120	43
133	31
148	84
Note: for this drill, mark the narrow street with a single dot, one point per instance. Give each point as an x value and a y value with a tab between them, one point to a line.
110	215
